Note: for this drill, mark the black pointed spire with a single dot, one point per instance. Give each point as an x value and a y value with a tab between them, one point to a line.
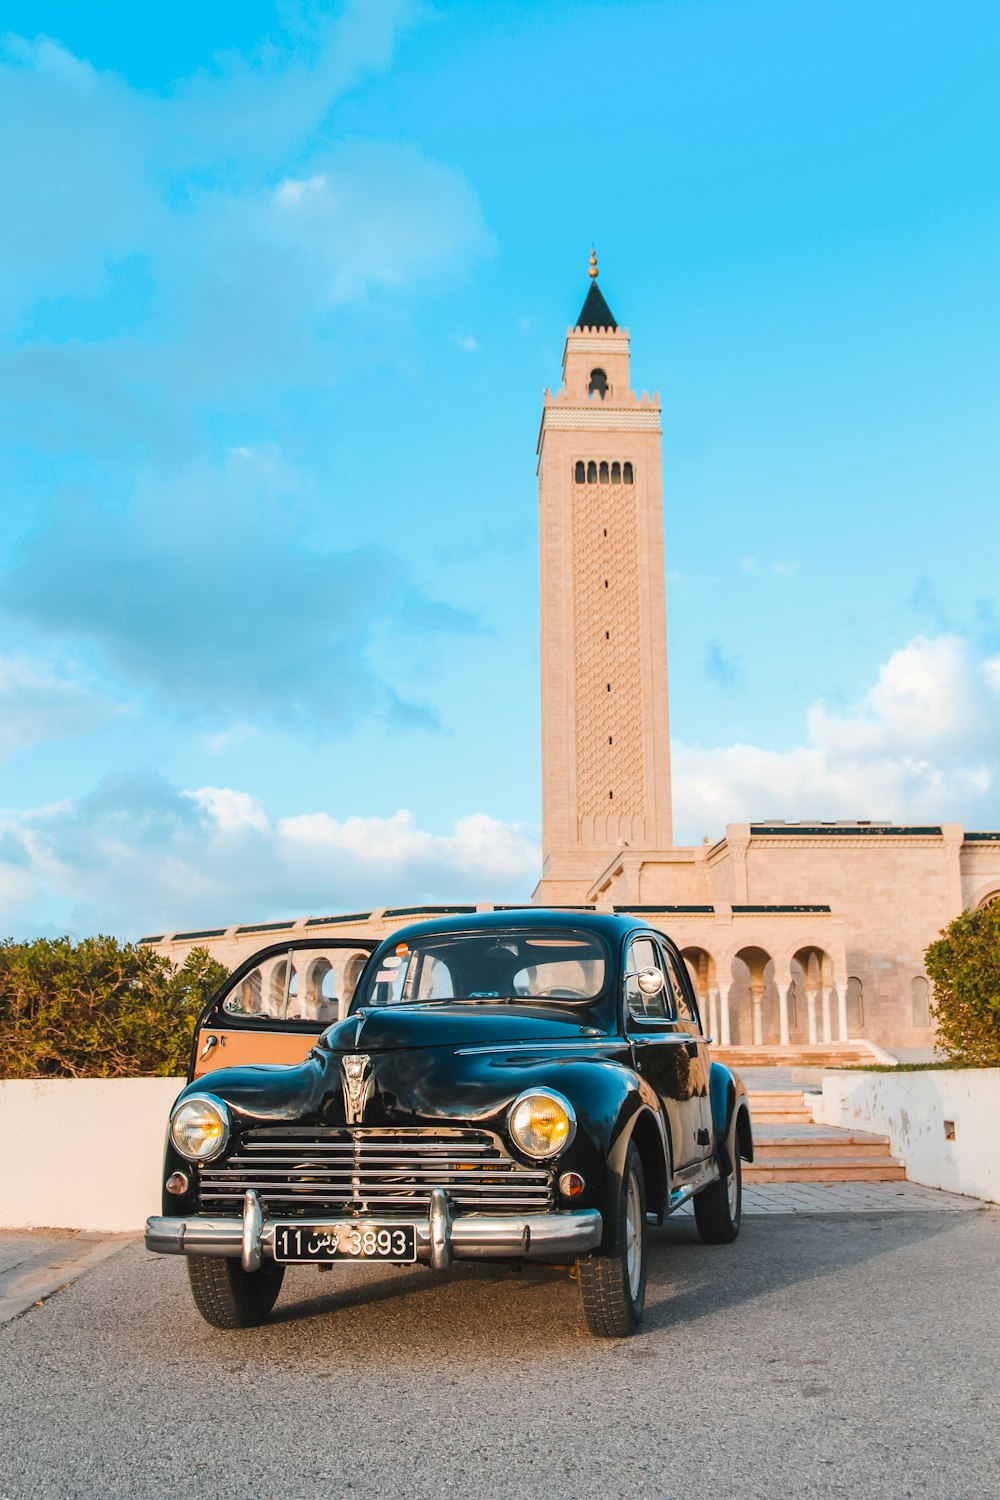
595	312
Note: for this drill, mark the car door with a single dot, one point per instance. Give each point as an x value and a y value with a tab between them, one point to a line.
690	1028
272	1008
663	1051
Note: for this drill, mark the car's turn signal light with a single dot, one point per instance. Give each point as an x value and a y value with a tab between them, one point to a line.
571	1184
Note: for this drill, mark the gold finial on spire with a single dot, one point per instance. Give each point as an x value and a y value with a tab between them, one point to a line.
593	264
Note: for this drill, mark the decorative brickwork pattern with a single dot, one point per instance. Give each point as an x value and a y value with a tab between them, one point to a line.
609	705
596	418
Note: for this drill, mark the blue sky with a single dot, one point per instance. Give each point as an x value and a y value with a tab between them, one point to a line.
280	288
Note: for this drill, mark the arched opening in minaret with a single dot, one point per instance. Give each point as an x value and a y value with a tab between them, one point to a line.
592	472
627	474
598	384
604	473
616	472
580	471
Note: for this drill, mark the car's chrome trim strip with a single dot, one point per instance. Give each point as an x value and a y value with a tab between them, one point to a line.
464	1236
593	1044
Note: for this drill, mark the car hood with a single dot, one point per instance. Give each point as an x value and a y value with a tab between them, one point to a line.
426	1065
458	1024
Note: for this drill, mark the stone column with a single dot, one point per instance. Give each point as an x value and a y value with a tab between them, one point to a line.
839	995
811	1013
827	1029
757	1001
724	1015
267	1006
783	979
713	1011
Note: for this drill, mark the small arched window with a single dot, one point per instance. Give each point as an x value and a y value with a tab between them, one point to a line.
591	472
598	384
616	472
855	1005
920	999
604	474
580	472
627	474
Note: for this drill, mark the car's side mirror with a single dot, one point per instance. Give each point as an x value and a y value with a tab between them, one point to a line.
650	982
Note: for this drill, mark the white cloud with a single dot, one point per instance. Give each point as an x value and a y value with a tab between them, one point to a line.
38	705
138	855
230	739
923	744
229	811
197	187
204	594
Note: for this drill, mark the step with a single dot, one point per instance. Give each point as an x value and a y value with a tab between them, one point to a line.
835	1169
798	1147
775	1096
775	1104
765	1059
791	1104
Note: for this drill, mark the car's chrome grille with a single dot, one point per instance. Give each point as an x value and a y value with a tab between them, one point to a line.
300	1168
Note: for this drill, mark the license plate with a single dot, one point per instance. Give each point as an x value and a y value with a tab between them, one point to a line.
359	1239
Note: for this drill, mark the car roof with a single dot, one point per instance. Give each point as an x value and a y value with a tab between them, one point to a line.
609	925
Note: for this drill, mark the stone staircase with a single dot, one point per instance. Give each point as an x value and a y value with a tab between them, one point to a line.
789	1147
801	1055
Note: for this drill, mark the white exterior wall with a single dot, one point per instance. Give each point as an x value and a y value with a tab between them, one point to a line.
911	1109
82	1153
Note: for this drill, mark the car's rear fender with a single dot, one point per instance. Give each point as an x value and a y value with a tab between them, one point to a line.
730	1117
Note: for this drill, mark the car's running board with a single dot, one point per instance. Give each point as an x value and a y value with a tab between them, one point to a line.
679	1197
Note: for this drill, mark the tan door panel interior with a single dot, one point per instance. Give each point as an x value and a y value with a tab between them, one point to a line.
231	1048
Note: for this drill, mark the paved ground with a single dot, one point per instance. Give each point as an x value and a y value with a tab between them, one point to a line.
35	1264
851	1198
839	1354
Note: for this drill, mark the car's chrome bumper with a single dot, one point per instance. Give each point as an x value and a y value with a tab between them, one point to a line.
440	1238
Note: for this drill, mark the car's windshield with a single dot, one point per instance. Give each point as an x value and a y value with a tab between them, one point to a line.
489	965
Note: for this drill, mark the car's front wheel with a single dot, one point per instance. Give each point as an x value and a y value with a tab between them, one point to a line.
613	1281
719	1208
229	1297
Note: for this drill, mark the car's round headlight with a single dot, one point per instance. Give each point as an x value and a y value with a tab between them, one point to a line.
199	1127
541	1122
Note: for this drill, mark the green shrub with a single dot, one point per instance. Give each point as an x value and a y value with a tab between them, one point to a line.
98	1008
964	966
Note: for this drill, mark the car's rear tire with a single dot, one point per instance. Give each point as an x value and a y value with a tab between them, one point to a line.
613	1281
719	1208
229	1297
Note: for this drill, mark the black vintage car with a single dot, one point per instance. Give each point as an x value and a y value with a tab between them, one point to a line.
510	1085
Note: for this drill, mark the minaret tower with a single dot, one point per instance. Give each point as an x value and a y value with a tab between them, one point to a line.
605	731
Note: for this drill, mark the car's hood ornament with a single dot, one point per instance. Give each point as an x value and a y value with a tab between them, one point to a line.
358	1085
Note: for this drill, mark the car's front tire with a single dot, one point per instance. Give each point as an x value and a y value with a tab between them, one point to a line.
229	1297
613	1281
719	1208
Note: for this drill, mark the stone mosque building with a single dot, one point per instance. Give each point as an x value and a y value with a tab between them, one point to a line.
798	935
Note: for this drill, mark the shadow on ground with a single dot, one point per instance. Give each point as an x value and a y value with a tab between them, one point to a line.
535	1310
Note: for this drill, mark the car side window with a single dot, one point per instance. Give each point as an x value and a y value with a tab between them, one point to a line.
687	1010
643	955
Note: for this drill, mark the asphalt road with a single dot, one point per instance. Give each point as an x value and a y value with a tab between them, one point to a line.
819	1356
